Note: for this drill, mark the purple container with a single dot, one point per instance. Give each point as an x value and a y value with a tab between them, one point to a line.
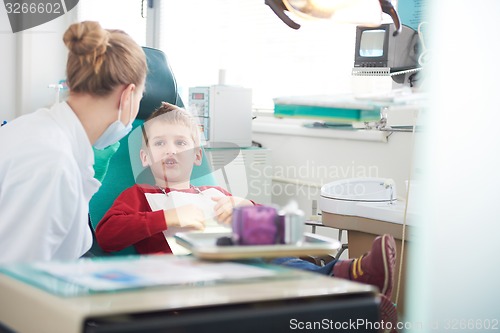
257	225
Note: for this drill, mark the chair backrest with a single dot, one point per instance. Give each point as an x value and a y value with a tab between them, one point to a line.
160	87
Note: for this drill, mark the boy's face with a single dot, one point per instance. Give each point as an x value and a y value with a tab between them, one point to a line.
171	153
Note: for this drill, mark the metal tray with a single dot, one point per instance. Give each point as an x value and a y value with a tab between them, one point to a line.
203	246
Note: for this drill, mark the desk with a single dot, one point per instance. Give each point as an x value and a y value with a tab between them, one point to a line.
237	306
362	231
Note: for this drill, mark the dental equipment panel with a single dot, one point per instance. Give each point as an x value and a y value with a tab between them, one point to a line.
225	114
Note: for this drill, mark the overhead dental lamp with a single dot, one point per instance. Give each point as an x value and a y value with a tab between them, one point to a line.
362	12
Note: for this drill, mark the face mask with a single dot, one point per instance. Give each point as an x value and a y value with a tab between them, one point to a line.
115	131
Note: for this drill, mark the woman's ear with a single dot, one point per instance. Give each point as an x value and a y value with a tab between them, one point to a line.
126	102
127	92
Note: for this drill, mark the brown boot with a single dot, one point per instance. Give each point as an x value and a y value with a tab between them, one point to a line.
375	267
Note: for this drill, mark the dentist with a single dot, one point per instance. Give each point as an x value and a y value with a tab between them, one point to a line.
46	173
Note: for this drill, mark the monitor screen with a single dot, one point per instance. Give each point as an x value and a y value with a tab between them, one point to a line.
372	43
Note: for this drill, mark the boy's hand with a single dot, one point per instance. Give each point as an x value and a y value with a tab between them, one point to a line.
224	207
190	217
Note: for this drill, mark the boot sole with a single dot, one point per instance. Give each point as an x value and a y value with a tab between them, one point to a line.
388	266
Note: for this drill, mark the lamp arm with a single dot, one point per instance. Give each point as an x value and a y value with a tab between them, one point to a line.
388	8
279	8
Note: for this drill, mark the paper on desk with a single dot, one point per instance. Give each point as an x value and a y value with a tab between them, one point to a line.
175	199
119	274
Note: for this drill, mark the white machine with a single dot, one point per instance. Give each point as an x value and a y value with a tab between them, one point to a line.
225	114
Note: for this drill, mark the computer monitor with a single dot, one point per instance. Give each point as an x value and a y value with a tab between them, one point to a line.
378	47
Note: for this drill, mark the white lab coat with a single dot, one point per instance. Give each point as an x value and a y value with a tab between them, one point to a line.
46	182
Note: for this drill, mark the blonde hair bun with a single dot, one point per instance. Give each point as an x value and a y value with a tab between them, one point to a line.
100	60
87	39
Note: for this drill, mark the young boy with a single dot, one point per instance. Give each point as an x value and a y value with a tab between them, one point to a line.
144	216
171	148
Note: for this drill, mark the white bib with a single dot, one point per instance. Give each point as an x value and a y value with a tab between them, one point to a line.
175	199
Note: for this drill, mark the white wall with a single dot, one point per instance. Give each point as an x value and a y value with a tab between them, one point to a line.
31	60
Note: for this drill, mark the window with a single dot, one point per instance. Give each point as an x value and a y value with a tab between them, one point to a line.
256	49
244	38
116	14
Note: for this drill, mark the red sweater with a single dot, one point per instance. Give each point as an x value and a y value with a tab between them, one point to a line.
130	221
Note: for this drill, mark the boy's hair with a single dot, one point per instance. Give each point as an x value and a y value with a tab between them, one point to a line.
172	114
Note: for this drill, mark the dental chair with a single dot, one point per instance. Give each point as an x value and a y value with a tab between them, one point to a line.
123	169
